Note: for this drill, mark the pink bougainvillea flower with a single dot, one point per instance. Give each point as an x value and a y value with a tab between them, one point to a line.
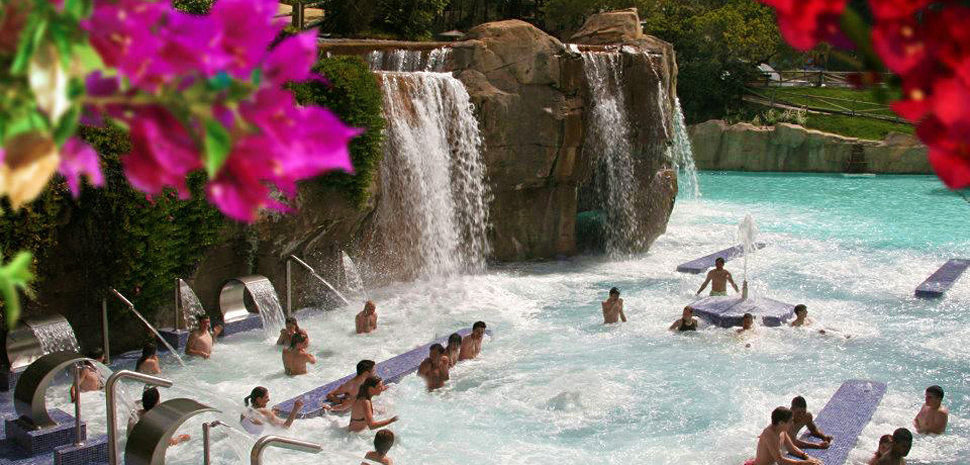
79	159
247	27
896	9
901	43
238	190
189	45
805	23
951	103
115	25
292	59
162	153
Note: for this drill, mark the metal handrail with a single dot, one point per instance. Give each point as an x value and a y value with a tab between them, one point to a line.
256	456
131	307
289	287
109	396
206	450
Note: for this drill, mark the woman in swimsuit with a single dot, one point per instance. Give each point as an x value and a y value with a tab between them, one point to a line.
148	362
362	413
687	322
258	415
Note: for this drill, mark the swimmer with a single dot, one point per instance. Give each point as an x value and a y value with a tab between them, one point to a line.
802	418
718	277
687	322
345	395
471	345
885	445
932	418
148	362
613	308
296	357
383	441
747	323
149	399
902	443
201	339
366	320
774	438
434	369
289	330
258	414
90	379
362	414
454	347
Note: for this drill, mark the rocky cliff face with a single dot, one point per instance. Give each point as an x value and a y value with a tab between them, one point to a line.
788	147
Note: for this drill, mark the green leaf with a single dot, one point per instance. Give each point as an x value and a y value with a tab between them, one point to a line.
60	33
33	121
13	275
220	81
29	39
79	9
67	125
218	143
89	58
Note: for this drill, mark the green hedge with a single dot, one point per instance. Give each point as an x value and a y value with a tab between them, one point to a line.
198	7
137	245
353	94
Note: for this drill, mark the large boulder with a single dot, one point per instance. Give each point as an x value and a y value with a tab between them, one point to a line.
613	27
788	147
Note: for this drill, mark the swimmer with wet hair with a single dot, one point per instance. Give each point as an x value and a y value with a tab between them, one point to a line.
202	339
933	416
345	395
802	418
718	278
687	322
454	348
902	443
434	369
747	323
613	308
291	328
149	399
148	362
383	441
362	414
774	438
471	345
366	321
258	413
885	445
296	357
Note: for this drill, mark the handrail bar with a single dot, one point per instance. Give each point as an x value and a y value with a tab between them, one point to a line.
256	456
109	396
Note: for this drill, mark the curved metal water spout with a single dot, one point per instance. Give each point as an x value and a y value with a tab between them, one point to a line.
289	293
109	396
29	395
232	297
24	343
150	437
256	456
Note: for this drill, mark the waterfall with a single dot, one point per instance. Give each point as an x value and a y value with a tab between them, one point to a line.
409	60
433	210
608	135
682	155
56	336
270	310
190	305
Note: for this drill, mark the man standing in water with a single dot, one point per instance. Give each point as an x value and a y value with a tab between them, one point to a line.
366	320
774	438
296	357
471	345
613	308
802	418
932	418
434	369
718	277
201	339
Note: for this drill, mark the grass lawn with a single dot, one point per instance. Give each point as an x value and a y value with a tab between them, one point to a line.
838	99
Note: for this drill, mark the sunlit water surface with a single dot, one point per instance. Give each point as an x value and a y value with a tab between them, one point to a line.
556	386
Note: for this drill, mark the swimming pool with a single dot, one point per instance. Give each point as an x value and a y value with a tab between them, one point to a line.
555	385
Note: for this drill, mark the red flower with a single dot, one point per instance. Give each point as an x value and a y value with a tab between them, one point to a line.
896	9
805	23
900	43
949	152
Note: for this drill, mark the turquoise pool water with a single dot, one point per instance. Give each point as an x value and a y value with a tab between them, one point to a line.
556	386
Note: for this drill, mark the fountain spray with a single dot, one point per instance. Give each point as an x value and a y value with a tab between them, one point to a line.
747	231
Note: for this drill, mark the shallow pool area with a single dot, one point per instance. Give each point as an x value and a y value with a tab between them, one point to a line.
554	384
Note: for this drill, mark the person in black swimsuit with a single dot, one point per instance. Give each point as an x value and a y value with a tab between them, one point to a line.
362	413
685	323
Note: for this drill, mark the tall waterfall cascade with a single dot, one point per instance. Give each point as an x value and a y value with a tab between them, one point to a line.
608	134
433	210
682	155
409	61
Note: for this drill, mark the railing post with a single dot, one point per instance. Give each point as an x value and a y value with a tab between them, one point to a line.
77	404
289	286
206	446
178	300
109	397
297	15
104	330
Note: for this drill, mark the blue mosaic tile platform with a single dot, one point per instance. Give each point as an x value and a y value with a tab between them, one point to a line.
251	322
844	417
391	370
701	265
729	311
942	280
37	441
92	451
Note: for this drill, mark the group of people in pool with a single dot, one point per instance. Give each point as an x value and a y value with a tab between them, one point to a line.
782	434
